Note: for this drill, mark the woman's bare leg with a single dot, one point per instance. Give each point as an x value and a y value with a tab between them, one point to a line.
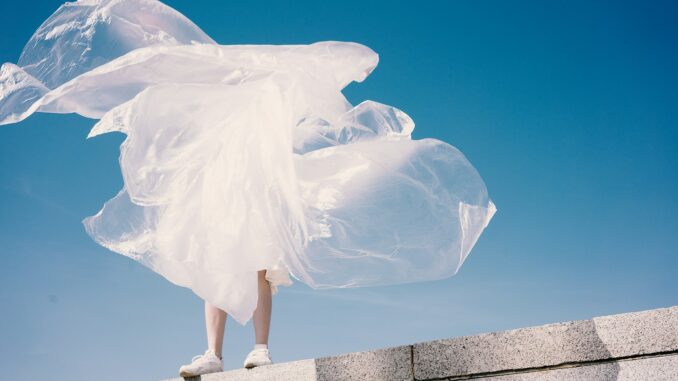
262	315
215	321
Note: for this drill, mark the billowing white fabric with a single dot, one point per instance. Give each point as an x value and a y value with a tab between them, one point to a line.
241	158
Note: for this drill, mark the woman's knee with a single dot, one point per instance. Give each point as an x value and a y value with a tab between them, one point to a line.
262	276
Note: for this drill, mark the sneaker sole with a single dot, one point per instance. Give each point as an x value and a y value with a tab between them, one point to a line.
250	365
189	374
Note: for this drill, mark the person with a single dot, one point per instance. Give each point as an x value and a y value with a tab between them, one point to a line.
243	160
215	320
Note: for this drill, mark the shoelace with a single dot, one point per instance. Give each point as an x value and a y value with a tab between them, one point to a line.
260	352
199	356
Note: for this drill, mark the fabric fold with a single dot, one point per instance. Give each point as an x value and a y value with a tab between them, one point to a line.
241	158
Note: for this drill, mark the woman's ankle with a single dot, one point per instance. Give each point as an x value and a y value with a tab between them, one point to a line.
217	353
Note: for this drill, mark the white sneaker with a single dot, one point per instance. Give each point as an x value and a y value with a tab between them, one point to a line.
258	357
202	364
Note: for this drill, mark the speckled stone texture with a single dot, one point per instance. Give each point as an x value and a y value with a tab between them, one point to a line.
631	346
384	364
662	368
640	332
549	345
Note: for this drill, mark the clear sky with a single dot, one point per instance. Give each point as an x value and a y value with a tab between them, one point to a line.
568	109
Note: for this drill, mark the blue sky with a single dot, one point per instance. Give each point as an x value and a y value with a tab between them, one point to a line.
567	109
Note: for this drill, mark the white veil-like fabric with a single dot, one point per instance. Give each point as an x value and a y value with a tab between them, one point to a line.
241	158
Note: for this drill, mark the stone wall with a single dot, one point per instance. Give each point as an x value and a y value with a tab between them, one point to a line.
631	346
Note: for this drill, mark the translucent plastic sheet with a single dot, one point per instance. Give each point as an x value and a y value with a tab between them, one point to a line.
241	158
